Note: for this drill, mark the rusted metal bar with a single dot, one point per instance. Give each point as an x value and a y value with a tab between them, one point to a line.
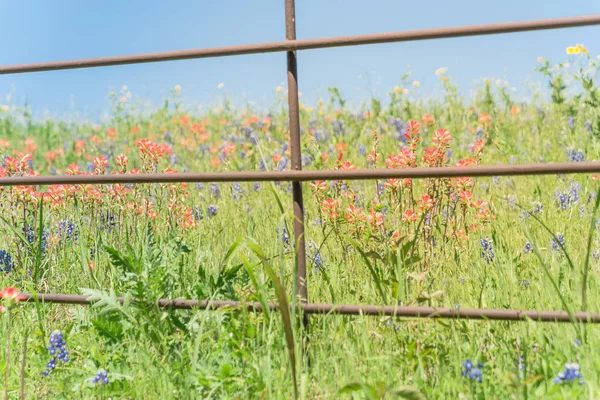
296	156
353	309
305	175
307	44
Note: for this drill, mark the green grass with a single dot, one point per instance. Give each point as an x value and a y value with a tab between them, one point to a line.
239	254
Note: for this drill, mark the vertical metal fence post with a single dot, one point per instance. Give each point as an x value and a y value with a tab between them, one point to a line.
296	149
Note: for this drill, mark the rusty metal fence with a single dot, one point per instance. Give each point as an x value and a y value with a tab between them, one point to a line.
297	176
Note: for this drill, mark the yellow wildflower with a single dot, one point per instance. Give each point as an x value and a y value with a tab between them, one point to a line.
441	71
397	89
540	59
221	85
309	109
404	91
177	88
570	50
123	99
416	83
5	108
582	48
279	89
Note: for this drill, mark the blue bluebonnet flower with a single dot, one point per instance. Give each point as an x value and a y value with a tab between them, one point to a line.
399	126
557	241
253	138
58	350
537	208
67	230
462	280
496	180
173	159
528	248
237	191
256	187
199	186
596	255
285	237
525	284
521	362
262	164
101	377
90	167
570	374
588	126
471	372
107	221
380	189
307	160
198	214
571	122
575	156
396	326
487	250
283	163
479	133
215	191
316	256
321	136
30	235
591	197
6	262
362	150
577	343
211	210
338	127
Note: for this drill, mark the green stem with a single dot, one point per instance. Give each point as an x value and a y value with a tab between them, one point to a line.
7	369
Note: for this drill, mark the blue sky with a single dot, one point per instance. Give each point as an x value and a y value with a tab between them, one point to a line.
34	31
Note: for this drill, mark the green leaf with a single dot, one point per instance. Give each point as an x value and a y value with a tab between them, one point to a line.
40	242
351	387
586	265
284	310
119	260
374	274
408	393
369	391
232	250
264	302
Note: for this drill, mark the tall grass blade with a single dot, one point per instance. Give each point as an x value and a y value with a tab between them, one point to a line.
284	310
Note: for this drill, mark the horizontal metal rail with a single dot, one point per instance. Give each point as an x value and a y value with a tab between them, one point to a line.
351	309
306	175
307	44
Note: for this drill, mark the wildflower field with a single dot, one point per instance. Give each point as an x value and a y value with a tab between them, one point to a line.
528	242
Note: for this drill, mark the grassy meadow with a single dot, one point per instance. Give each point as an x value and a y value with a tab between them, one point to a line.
528	242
